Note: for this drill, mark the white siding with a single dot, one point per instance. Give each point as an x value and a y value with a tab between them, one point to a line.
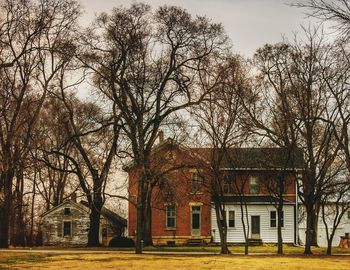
267	234
344	227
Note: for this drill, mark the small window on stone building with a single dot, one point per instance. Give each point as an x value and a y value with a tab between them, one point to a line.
67	228
67	211
104	232
349	215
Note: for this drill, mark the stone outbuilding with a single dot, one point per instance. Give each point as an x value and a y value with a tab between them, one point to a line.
68	225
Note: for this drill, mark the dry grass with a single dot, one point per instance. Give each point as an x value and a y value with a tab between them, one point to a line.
160	262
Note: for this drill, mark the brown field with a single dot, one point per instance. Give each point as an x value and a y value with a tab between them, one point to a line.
12	261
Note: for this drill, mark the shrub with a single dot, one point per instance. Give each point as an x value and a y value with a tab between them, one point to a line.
121	242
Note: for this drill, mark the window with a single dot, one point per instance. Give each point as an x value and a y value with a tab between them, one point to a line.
67	211
348	214
231	219
227	187
67	228
197	182
254	185
170	216
273	219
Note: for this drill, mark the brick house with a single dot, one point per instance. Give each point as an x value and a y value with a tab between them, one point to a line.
182	211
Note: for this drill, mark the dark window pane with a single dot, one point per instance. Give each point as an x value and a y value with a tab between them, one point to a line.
273	219
195	221
231	218
171	216
67	211
67	228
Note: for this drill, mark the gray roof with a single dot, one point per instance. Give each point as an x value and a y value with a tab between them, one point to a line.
258	158
109	214
254	199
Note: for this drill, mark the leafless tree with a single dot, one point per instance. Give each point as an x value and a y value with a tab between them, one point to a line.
337	12
35	38
218	118
334	205
295	113
150	64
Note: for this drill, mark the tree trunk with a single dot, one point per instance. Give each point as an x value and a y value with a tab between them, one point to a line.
6	179
94	232
140	210
315	213
31	239
329	247
279	230
309	228
147	221
222	227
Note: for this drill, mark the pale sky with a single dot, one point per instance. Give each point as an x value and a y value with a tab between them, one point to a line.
249	23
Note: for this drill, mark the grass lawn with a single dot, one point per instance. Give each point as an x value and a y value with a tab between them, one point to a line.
12	261
266	248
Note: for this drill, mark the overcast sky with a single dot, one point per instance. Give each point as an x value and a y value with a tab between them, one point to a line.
249	23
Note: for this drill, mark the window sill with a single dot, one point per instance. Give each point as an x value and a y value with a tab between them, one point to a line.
170	229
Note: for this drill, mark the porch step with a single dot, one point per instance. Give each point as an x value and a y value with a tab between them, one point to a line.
255	242
195	242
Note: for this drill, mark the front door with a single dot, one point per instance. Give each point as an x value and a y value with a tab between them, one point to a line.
255	227
195	220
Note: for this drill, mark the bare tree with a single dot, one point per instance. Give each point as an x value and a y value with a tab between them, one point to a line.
337	11
34	40
150	65
296	113
218	118
334	205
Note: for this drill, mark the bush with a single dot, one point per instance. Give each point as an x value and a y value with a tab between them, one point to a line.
121	242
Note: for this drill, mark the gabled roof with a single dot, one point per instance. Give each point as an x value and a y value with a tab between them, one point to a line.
110	215
84	206
242	158
77	205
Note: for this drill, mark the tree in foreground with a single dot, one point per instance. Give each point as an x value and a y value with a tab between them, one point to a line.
150	65
35	38
219	123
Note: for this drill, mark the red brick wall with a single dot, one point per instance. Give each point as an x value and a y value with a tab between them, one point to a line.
183	197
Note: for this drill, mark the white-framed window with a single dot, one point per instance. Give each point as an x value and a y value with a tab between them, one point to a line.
67	228
254	184
170	216
67	211
273	219
197	181
231	219
227	185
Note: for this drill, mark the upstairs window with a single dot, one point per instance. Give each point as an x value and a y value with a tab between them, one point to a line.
231	219
170	216
273	219
227	185
349	215
254	184
67	228
197	182
67	211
